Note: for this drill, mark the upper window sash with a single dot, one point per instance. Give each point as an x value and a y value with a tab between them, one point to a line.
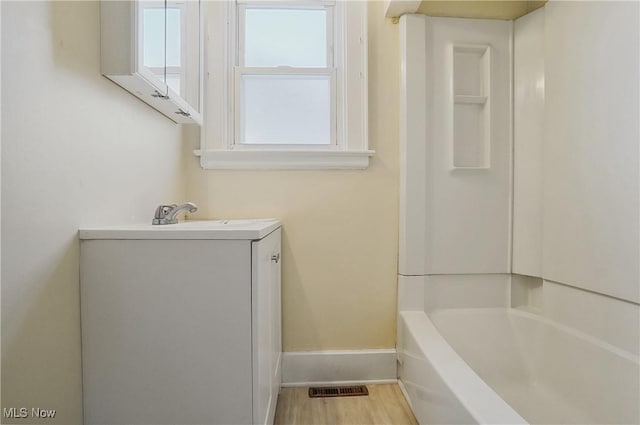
243	5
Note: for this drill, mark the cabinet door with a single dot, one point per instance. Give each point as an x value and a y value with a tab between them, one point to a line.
152	28
166	332
170	48
276	325
266	325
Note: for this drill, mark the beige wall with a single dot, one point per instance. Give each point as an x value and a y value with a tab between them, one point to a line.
77	150
340	227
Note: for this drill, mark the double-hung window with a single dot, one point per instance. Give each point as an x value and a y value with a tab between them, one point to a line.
286	86
285	78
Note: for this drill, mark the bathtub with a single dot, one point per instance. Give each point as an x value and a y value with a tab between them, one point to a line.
507	366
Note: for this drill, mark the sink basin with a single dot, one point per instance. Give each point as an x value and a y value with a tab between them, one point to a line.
192	229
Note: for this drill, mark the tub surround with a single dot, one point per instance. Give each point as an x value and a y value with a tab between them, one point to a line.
591	154
564	288
455	181
599	316
575	219
569	227
528	134
576	189
608	319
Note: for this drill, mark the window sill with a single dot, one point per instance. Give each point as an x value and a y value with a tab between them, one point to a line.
283	159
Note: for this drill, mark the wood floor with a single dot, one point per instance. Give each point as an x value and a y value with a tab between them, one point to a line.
385	404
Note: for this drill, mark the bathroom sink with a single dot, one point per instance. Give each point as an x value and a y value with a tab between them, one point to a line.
190	229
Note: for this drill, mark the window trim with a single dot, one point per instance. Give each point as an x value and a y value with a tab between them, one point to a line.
216	150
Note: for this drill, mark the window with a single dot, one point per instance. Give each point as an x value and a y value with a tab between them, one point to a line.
286	86
285	79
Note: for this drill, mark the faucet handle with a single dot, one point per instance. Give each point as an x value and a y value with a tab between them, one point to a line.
164	210
166	214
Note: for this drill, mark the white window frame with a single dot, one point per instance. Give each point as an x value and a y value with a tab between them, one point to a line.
347	67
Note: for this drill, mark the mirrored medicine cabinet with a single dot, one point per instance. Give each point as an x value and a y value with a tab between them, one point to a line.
153	49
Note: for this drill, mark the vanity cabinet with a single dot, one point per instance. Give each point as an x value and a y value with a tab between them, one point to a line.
180	325
153	49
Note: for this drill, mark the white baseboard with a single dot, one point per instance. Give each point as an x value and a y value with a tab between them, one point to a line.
338	367
337	383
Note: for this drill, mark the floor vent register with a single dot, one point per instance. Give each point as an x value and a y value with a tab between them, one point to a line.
342	391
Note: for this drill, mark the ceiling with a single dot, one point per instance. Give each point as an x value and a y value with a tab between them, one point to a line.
496	9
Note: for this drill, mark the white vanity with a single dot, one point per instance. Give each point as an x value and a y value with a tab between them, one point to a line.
181	323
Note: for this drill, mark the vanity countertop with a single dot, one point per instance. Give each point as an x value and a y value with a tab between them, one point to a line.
252	229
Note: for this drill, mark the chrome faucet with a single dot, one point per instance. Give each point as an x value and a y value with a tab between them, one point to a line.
166	214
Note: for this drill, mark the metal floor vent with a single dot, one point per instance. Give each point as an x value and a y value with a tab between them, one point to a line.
345	391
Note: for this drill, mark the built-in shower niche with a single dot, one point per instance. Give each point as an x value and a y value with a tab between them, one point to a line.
526	293
471	106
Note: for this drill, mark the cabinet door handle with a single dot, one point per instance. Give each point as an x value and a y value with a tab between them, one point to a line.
275	257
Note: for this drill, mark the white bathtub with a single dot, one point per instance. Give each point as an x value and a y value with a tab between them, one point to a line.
502	365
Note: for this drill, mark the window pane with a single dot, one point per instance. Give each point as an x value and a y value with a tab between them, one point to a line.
285	37
285	109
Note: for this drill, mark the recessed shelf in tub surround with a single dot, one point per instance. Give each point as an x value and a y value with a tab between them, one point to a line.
526	293
471	112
